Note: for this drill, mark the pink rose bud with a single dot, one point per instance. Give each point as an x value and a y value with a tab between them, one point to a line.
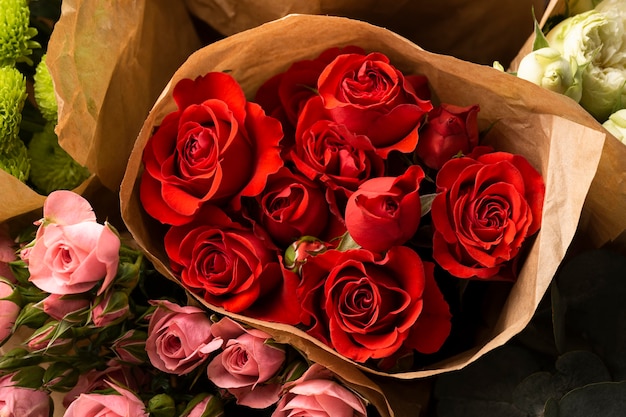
9	311
121	404
18	401
46	338
72	252
112	309
246	364
317	393
65	307
131	347
204	405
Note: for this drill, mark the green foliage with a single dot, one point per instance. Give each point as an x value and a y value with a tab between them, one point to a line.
16	43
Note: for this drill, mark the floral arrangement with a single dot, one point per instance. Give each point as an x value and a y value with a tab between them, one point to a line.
99	336
339	201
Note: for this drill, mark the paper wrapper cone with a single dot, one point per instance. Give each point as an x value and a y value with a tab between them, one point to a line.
477	31
565	152
602	220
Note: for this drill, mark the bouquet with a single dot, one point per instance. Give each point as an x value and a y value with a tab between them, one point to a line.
577	50
94	326
323	208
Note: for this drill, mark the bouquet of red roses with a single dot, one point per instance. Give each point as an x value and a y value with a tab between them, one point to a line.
342	197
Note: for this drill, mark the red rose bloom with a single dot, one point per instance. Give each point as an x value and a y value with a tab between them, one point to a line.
215	148
385	211
230	266
291	206
371	97
366	308
485	210
450	130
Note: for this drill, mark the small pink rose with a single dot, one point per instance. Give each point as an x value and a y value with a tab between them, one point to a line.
17	401
7	253
122	404
246	363
8	311
316	393
111	309
179	338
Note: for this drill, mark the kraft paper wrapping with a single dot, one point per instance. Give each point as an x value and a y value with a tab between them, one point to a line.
477	31
108	62
565	152
603	220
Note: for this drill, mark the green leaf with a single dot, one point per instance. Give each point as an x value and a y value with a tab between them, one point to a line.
29	377
540	38
347	243
426	201
606	399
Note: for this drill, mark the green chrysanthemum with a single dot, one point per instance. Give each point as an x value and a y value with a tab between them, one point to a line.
51	167
16	43
44	92
15	161
12	98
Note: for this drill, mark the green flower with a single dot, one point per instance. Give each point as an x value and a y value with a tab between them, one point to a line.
44	92
15	34
12	98
51	167
15	161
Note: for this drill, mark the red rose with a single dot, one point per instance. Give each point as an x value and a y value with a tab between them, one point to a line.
285	94
485	210
291	206
230	266
373	98
450	130
365	308
215	148
385	211
328	152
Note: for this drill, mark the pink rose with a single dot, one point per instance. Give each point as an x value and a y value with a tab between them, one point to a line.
246	363
17	401
385	211
72	252
59	307
316	393
8	311
7	253
126	404
208	406
179	338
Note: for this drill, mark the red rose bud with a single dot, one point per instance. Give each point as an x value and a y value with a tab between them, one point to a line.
450	131
111	309
373	98
131	347
301	250
485	210
385	211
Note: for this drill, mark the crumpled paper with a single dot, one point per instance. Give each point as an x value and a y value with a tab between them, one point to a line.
109	60
521	119
603	220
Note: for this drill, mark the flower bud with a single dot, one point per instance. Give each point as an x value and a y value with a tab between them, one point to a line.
60	376
32	316
18	358
162	405
303	248
44	92
204	405
111	309
131	347
51	337
547	68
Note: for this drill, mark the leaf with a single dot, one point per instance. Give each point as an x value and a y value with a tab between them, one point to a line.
606	399
347	243
426	201
540	38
